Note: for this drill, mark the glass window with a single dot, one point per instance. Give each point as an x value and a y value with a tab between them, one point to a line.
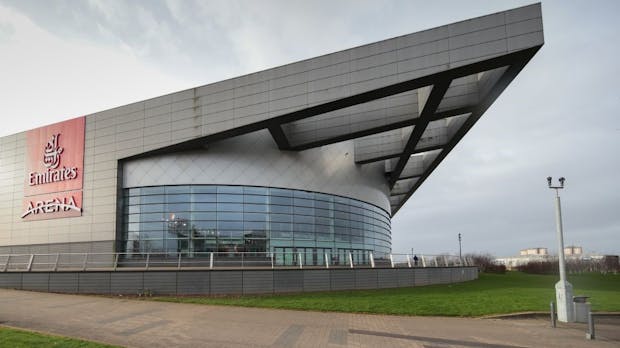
177	198
303	194
323	221
204	225
324	236
303	211
228	198
175	207
304	219
238	218
281	226
281	200
152	217
323	197
323	228
132	218
152	199
323	205
285	209
256	199
230	225
323	212
303	227
204	207
255	190
341	223
341	215
255	217
281	234
341	207
151	226
203	189
303	235
281	218
144	235
204	216
259	208
154	190
230	189
229	207
280	192
230	216
150	208
176	189
303	202
255	225
204	198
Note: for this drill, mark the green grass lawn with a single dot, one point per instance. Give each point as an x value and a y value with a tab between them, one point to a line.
490	294
15	338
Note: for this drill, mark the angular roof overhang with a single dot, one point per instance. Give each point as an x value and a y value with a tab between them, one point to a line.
410	124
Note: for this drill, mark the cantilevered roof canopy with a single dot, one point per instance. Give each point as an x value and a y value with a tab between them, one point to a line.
406	101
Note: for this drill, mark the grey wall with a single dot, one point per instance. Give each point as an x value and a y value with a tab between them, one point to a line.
219	282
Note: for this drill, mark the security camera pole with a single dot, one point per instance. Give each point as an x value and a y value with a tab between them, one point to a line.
563	289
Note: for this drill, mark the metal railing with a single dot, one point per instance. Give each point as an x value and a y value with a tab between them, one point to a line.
220	260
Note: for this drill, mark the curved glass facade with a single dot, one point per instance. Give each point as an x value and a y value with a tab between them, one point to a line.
210	218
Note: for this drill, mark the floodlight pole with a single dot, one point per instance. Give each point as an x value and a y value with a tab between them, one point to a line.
563	289
460	255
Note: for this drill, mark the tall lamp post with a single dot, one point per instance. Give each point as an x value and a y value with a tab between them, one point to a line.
460	254
563	289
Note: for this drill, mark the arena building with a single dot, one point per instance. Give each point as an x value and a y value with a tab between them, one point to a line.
312	158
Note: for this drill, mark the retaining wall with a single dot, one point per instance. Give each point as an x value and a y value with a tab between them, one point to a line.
219	282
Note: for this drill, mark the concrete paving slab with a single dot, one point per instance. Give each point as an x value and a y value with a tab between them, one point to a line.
140	323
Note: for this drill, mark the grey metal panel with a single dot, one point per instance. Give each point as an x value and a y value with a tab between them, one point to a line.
11	280
342	279
234	162
366	279
257	282
35	281
444	275
164	283
421	276
288	281
233	282
63	282
226	282
405	277
387	278
126	283
193	283
94	283
316	280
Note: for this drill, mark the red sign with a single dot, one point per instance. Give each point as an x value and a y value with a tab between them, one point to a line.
54	166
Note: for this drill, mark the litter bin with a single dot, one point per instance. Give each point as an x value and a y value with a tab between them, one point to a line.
581	308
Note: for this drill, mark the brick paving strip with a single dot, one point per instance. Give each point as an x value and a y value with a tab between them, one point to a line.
138	323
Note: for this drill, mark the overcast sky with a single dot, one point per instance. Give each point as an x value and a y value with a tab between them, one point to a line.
559	117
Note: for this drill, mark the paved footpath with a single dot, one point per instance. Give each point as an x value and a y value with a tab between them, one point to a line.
136	323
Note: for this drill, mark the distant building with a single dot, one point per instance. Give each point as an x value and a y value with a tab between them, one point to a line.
573	251
534	251
542	254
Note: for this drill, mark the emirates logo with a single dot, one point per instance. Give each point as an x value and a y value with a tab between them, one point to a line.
51	156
